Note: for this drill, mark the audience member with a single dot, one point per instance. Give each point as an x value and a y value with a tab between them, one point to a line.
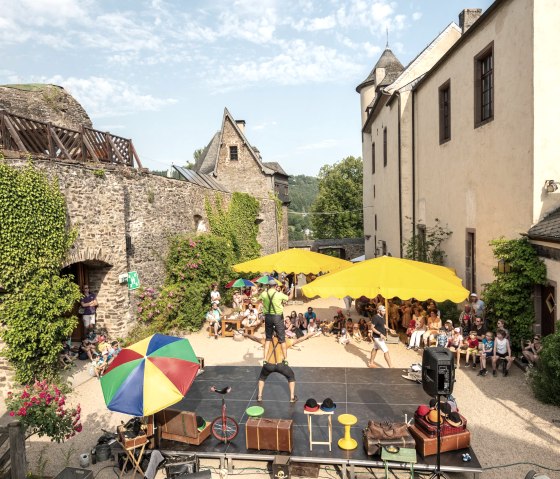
310	314
215	296
479	328
301	323
472	349
433	327
501	324
89	305
466	321
343	338
442	338
477	305
455	344
393	313
486	352
237	300
406	314
214	316
532	349
502	349
419	330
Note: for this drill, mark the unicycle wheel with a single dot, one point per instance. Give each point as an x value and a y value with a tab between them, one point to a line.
225	431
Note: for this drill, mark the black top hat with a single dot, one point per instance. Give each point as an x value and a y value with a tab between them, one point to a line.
454	419
328	405
311	405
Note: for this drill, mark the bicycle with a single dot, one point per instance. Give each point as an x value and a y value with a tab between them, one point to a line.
224	428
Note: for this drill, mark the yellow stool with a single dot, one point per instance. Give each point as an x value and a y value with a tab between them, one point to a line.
347	443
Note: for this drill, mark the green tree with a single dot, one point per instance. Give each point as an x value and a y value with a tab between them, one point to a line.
545	379
510	295
303	191
33	242
337	210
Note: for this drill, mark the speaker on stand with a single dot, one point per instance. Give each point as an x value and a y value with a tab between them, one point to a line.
438	376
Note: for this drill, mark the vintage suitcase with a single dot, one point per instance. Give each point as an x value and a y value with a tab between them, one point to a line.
373	446
427	446
269	434
127	438
180	426
431	430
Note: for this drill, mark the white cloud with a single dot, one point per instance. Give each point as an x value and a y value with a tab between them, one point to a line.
416	16
297	62
320	145
107	97
316	24
263	125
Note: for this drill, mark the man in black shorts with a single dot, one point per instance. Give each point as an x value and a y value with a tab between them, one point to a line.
274	363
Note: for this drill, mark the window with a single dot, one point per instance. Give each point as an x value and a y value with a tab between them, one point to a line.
375	222
484	86
233	153
373	158
385	146
445	112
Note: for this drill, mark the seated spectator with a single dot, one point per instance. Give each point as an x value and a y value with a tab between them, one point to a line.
433	327
472	348
301	323
363	325
502	349
393	313
356	334
418	333
237	300
101	363
501	324
531	350
479	328
313	328
310	314
115	348
87	350
448	325
455	344
486	352
410	329
466	321
289	328
65	357
441	338
343	338
250	317
338	324
214	317
293	318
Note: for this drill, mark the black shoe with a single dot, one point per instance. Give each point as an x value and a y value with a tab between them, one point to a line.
506	372
474	365
494	373
485	372
481	372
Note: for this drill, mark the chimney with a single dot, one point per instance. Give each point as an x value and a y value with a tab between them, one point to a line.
467	17
241	125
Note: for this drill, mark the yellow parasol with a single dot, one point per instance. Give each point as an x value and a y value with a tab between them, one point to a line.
390	277
294	260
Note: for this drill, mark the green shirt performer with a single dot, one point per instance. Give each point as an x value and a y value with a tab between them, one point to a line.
273	306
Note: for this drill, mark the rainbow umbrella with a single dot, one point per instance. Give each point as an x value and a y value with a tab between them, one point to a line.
240	283
150	375
267	279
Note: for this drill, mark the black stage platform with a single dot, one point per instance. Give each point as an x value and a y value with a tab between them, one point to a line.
379	394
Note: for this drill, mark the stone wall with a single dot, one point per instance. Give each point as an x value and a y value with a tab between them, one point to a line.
124	220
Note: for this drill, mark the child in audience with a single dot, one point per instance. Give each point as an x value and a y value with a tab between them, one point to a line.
343	338
486	352
455	344
472	349
502	325
532	349
441	338
502	349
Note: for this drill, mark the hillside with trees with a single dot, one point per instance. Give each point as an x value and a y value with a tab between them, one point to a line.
303	191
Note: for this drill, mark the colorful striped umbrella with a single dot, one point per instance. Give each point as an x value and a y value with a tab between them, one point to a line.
150	375
267	279
240	283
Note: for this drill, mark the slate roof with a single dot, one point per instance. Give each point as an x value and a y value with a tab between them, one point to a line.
272	165
548	228
200	179
207	160
393	68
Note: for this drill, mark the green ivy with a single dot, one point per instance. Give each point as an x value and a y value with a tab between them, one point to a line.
510	295
545	379
33	242
279	211
193	264
427	247
236	224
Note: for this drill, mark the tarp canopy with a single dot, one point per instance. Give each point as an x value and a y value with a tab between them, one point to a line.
390	277
294	260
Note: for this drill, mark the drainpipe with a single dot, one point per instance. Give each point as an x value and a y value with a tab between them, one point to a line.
413	173
400	178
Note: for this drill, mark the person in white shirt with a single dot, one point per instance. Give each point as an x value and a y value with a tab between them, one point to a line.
215	294
502	349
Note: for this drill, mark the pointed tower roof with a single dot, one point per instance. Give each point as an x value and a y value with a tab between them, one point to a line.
393	68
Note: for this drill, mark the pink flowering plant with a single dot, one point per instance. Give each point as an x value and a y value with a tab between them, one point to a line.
42	410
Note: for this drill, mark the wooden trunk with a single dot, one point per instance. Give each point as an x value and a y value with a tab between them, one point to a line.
269	434
427	446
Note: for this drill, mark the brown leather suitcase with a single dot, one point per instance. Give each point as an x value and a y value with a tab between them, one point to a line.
180	426
431	430
269	434
427	446
373	446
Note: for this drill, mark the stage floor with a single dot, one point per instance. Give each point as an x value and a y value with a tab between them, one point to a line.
379	394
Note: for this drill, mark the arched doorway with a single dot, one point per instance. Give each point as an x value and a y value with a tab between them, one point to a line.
92	273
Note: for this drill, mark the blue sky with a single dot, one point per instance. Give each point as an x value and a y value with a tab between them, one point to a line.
161	72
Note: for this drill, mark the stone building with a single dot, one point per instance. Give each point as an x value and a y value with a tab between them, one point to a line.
466	134
124	217
236	164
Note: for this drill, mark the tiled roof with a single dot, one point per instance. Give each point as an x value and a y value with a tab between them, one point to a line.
390	62
548	228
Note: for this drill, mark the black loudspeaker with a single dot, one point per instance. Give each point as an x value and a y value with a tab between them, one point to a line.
281	467
438	371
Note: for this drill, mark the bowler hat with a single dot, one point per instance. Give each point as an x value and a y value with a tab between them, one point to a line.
200	422
432	416
311	405
328	405
454	419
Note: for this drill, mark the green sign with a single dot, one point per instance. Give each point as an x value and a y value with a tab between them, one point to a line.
133	280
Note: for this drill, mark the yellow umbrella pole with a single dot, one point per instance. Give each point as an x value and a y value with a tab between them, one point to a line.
386	313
